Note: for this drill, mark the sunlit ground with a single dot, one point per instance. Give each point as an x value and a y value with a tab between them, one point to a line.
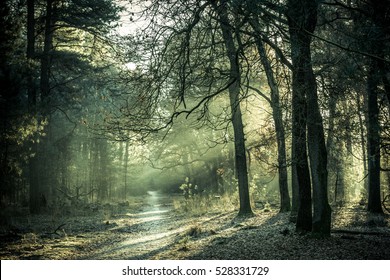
157	230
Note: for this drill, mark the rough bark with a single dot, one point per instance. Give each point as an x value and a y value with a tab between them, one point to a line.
234	96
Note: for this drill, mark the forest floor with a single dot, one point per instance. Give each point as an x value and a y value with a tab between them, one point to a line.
151	228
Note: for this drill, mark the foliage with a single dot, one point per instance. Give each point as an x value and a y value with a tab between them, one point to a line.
189	191
198	203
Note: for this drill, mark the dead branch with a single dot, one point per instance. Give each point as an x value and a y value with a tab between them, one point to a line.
58	228
55	231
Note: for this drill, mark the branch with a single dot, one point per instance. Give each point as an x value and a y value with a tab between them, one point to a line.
55	231
204	100
260	93
58	228
258	34
346	48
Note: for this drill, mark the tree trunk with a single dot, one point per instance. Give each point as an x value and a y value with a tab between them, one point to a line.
373	140
39	181
30	29
299	161
376	75
331	146
294	194
103	176
302	19
364	193
45	58
318	167
300	167
315	130
234	96
285	205
34	191
126	164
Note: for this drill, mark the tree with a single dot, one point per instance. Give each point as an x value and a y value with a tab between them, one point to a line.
375	76
193	63
300	167
302	20
11	107
277	117
60	20
234	96
373	140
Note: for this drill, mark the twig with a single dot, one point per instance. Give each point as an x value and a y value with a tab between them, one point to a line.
58	228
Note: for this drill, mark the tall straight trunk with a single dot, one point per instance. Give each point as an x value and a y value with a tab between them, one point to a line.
300	166
373	140
334	152
30	29
45	57
376	79
39	185
294	193
34	191
234	96
34	182
103	177
363	146
285	205
318	162
332	102
126	164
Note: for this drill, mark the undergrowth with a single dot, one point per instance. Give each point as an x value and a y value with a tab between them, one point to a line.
206	203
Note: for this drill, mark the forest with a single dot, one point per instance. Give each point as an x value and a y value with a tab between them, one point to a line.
195	129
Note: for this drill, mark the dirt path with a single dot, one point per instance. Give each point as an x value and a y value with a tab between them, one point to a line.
148	228
152	230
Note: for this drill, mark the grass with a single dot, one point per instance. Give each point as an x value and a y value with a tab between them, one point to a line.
204	204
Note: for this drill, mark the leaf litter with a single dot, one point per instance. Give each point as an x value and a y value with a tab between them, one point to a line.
150	232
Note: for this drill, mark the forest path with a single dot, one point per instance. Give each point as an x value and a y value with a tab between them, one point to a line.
153	229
